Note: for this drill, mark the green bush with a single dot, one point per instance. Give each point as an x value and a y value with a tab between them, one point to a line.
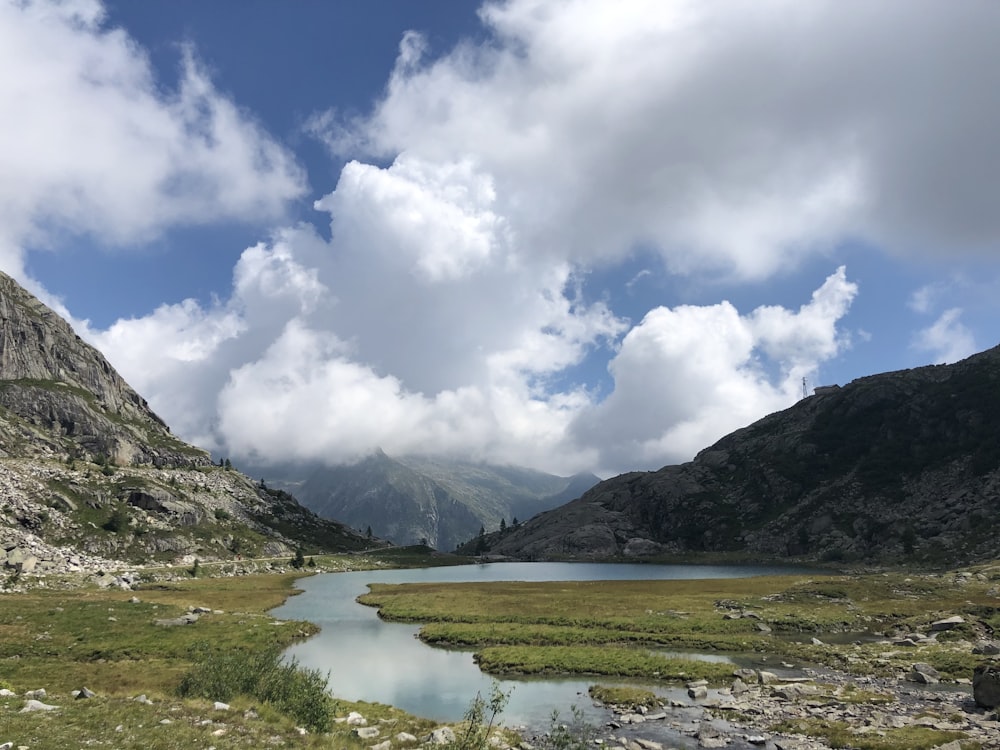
291	689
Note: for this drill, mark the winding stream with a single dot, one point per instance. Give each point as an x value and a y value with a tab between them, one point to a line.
372	660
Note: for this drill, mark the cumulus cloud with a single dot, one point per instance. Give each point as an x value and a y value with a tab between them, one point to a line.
947	339
445	311
734	137
91	143
686	376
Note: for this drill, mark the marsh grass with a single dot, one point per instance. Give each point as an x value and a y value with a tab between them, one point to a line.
536	628
598	660
623	695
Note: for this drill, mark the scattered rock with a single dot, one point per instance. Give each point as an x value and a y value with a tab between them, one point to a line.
354	719
83	693
35	705
220	706
366	733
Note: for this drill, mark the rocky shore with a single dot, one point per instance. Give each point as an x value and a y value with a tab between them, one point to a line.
745	715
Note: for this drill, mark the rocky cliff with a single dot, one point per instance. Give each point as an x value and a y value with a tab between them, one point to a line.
89	472
893	467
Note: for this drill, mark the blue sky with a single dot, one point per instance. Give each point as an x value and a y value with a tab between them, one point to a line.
542	233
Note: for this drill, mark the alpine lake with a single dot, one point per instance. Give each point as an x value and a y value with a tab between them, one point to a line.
369	658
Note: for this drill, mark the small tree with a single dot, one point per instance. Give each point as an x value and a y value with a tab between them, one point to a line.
299	560
503	525
312	563
368	533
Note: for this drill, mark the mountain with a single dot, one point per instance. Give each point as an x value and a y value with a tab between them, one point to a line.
409	499
901	466
87	468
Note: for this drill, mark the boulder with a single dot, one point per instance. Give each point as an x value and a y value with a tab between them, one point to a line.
366	733
947	623
986	685
441	736
924	674
33	705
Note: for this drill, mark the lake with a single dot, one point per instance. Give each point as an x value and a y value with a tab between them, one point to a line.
384	662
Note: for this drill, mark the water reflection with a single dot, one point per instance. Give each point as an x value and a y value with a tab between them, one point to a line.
372	660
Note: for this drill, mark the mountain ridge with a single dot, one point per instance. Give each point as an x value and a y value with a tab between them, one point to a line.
894	467
439	501
89	473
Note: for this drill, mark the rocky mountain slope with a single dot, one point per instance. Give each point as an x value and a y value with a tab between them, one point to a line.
889	468
443	502
89	472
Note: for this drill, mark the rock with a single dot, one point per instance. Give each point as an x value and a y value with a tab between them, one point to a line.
648	744
220	706
84	692
793	691
405	737
947	623
382	745
143	699
698	693
986	685
5	693
766	678
354	719
817	642
441	736
187	619
40	693
738	687
366	733
33	705
986	648
924	674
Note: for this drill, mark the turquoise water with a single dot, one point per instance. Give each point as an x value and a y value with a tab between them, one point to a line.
384	662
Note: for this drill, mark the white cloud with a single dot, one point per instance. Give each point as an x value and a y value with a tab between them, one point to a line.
91	143
734	137
686	376
444	313
947	339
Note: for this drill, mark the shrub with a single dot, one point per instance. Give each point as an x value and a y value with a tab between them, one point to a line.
479	720
118	521
291	689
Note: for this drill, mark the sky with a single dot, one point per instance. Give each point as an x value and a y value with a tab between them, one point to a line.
564	234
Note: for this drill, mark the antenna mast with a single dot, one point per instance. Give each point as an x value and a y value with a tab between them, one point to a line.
803	386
